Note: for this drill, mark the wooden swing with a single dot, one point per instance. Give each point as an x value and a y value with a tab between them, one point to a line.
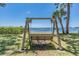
42	36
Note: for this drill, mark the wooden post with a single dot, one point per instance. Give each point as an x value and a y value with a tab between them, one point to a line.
24	36
29	36
52	30
53	27
57	30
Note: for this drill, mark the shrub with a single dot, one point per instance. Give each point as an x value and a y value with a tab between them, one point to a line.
11	30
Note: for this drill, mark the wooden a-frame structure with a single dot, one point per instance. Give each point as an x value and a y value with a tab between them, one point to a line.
52	20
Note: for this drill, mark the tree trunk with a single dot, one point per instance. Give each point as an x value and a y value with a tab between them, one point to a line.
24	36
60	20
68	18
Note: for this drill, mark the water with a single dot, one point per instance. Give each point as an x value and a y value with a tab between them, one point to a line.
71	30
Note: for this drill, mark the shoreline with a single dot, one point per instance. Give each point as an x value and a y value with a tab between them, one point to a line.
50	32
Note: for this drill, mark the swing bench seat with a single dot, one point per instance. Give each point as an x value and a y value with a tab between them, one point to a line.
40	39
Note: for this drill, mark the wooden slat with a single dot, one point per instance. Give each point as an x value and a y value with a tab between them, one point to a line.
36	37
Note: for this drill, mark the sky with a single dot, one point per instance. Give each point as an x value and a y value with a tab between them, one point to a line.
15	14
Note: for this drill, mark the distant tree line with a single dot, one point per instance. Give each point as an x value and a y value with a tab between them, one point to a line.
11	30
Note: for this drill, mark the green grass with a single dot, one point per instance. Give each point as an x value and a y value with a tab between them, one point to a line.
9	42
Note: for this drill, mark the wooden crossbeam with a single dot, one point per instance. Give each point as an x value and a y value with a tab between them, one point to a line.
39	18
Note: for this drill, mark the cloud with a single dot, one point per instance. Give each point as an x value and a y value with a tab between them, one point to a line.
28	12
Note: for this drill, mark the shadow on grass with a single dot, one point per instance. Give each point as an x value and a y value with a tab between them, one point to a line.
68	49
73	45
43	47
9	40
34	48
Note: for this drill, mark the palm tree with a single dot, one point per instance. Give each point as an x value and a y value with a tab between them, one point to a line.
54	19
64	5
68	18
60	12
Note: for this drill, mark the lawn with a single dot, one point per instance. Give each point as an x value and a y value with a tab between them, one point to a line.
11	43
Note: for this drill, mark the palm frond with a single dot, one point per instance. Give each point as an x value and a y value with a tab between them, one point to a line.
63	5
2	4
57	5
63	12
